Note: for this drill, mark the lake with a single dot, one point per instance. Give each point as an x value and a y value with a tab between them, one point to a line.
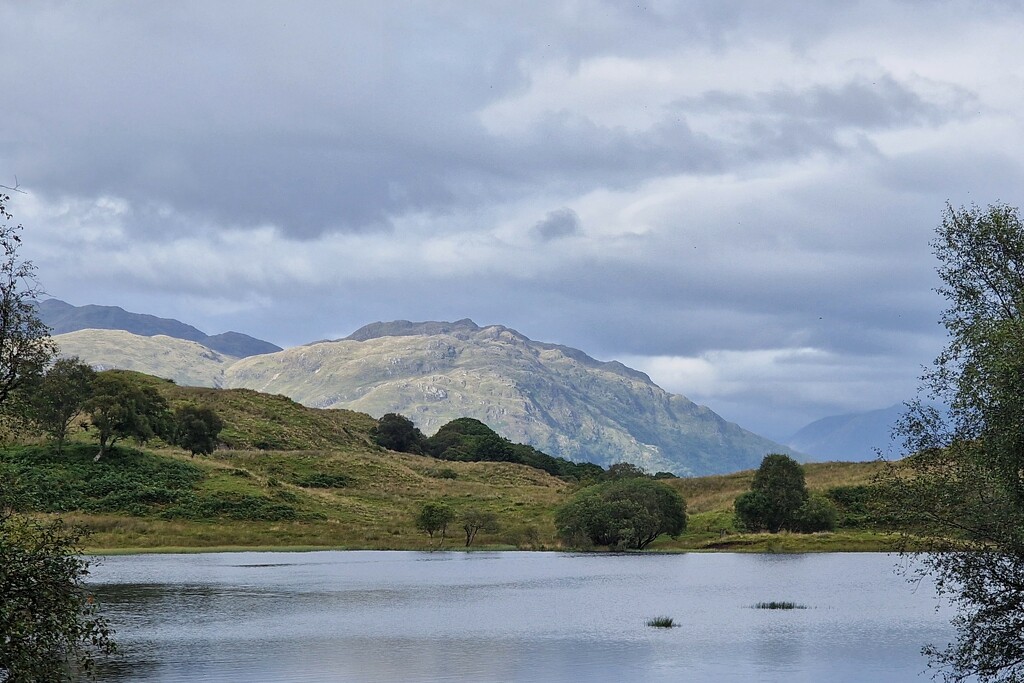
514	616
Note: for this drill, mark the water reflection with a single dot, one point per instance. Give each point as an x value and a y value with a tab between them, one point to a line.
385	616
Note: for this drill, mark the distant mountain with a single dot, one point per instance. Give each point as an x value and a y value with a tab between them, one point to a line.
853	436
61	317
555	398
188	363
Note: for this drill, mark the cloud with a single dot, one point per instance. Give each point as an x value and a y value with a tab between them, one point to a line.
752	187
558	223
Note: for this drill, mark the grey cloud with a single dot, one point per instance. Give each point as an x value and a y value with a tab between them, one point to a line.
558	223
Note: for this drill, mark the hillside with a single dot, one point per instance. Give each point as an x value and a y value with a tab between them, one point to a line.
552	397
325	484
62	317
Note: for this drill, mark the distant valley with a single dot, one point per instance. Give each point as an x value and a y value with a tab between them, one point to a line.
555	398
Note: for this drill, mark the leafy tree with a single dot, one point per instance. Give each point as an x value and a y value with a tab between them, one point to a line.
120	409
624	513
196	429
624	470
59	397
960	487
49	626
776	494
25	344
434	517
470	440
398	433
475	521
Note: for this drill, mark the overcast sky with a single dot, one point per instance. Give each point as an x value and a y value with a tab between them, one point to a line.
735	197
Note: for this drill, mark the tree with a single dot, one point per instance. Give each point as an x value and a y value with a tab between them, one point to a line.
60	396
776	494
624	470
196	429
25	344
475	520
398	433
960	488
120	408
434	517
624	513
49	623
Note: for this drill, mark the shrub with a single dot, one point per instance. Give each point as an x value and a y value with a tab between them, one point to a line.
625	513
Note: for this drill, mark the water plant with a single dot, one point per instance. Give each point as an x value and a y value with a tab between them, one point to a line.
779	604
661	622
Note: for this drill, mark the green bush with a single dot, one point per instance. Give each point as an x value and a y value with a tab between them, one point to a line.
818	513
624	513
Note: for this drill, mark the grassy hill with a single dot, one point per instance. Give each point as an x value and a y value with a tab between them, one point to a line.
297	477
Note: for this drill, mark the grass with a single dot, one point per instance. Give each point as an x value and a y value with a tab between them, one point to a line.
779	604
661	622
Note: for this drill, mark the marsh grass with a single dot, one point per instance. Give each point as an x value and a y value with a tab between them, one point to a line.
661	622
779	604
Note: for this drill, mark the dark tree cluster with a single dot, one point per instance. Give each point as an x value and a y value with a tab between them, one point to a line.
625	513
778	500
470	440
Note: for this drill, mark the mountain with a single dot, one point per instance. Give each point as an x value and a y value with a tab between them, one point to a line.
62	317
853	436
555	398
188	363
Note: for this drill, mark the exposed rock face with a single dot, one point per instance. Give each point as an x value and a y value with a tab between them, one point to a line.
555	398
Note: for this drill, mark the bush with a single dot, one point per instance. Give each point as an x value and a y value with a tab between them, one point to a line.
818	513
625	513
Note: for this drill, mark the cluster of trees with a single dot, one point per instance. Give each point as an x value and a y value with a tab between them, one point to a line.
778	500
116	407
470	440
435	517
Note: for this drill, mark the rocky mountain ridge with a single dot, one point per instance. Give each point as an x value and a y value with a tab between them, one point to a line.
556	398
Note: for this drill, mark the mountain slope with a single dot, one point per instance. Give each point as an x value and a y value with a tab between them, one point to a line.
555	398
62	317
853	436
186	362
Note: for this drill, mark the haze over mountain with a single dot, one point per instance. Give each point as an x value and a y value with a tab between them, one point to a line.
852	436
62	317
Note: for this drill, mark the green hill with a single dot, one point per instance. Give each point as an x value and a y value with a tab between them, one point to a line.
302	477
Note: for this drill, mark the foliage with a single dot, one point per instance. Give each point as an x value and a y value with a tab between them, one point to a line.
624	470
776	494
196	428
59	397
818	513
778	604
50	629
475	520
857	506
120	408
961	489
398	433
434	517
25	344
624	513
470	440
661	622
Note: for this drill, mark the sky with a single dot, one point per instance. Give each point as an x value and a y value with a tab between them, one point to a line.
734	197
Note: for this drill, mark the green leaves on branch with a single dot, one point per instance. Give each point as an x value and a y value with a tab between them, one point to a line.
624	513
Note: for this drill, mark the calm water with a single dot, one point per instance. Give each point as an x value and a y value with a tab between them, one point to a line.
408	616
